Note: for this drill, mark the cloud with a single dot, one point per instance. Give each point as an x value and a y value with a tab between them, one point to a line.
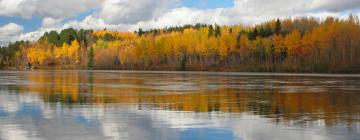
251	12
181	16
9	32
46	8
49	22
31	36
10	29
133	11
335	5
129	15
91	22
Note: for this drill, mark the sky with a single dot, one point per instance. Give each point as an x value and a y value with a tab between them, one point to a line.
29	19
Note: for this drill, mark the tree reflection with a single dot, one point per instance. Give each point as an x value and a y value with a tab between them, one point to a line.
71	88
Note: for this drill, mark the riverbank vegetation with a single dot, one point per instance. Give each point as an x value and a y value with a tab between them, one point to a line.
303	44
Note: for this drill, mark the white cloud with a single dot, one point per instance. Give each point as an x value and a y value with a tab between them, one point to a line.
133	11
335	5
180	16
46	8
9	32
10	29
252	12
129	15
9	6
31	36
49	22
90	22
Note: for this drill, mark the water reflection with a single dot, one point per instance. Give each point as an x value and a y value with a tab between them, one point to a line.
137	105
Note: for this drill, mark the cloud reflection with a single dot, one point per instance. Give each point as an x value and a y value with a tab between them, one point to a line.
77	105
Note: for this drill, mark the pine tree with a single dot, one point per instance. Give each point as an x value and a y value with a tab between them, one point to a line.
91	58
140	32
252	35
211	31
278	27
217	30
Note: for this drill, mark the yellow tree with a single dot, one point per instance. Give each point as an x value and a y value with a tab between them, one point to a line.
279	48
293	45
73	52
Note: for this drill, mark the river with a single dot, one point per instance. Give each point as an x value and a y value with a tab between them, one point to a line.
154	105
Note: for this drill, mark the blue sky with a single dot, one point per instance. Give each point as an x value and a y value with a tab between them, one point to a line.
208	3
29	19
28	24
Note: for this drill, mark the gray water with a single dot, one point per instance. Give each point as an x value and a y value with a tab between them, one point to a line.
178	105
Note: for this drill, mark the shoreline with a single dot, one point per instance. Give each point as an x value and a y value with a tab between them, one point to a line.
222	73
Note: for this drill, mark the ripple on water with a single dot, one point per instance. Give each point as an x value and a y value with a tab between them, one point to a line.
176	105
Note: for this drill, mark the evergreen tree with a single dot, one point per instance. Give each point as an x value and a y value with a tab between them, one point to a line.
140	32
278	27
53	38
44	37
262	32
108	37
67	36
268	31
252	35
210	31
265	32
91	58
217	30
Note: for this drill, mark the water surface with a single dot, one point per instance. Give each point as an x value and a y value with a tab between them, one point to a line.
178	105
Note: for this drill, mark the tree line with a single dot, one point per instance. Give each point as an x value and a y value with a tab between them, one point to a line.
303	44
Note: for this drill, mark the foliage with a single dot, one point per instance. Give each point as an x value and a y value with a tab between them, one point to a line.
91	58
288	45
8	54
65	36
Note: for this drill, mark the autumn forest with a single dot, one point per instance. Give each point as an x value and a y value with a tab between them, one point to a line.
303	44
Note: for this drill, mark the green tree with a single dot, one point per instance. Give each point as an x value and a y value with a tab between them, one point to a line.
265	32
108	37
7	54
81	35
54	38
101	44
67	36
91	58
278	27
252	35
210	31
140	32
44	37
217	30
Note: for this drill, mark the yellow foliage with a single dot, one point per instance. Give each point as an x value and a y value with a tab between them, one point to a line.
68	54
292	41
38	54
301	41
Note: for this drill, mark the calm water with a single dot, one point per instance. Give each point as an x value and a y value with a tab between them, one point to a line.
170	105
